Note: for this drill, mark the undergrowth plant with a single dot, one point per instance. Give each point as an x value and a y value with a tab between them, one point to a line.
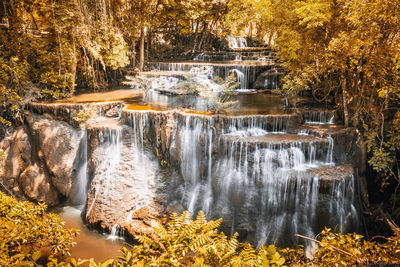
27	232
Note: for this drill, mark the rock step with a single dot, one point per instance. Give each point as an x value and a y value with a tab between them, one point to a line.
295	149
221	123
328	175
186	65
319	116
277	139
67	111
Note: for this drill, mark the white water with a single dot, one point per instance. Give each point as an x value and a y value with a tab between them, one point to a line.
79	188
205	74
126	177
261	189
236	42
321	117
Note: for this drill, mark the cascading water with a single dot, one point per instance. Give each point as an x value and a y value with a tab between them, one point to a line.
320	117
267	180
236	42
78	193
240	77
205	74
118	187
261	180
104	177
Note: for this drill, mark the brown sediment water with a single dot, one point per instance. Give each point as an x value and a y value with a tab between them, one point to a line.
90	244
204	113
253	103
143	107
115	95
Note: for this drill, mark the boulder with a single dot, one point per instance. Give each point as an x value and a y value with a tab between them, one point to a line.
17	154
125	188
58	145
37	186
16	157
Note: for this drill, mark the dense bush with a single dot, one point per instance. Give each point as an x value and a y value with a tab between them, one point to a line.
185	242
27	232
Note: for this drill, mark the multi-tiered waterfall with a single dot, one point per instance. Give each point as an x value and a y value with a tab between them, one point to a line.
267	180
270	172
253	68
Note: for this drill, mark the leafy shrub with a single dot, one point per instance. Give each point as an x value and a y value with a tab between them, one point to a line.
186	242
353	249
26	229
87	113
2	156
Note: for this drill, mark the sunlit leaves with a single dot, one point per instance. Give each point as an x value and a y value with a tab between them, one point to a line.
185	242
314	14
26	228
347	53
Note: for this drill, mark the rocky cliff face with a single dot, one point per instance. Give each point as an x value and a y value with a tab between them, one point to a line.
41	158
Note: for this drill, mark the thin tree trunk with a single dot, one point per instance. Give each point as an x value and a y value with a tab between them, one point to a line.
133	53
203	35
73	64
141	50
148	47
196	38
345	99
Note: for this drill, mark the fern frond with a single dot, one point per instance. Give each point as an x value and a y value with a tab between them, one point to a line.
159	229
147	241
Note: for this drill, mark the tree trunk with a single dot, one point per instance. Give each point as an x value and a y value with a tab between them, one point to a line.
73	64
148	47
203	35
270	36
196	37
345	100
133	53
141	50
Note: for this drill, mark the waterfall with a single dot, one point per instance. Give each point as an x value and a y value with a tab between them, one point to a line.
258	178
320	117
110	153
204	74
329	155
78	193
126	174
240	77
236	42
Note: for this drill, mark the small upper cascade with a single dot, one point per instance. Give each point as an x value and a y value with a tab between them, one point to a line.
203	73
236	42
320	117
264	55
246	64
